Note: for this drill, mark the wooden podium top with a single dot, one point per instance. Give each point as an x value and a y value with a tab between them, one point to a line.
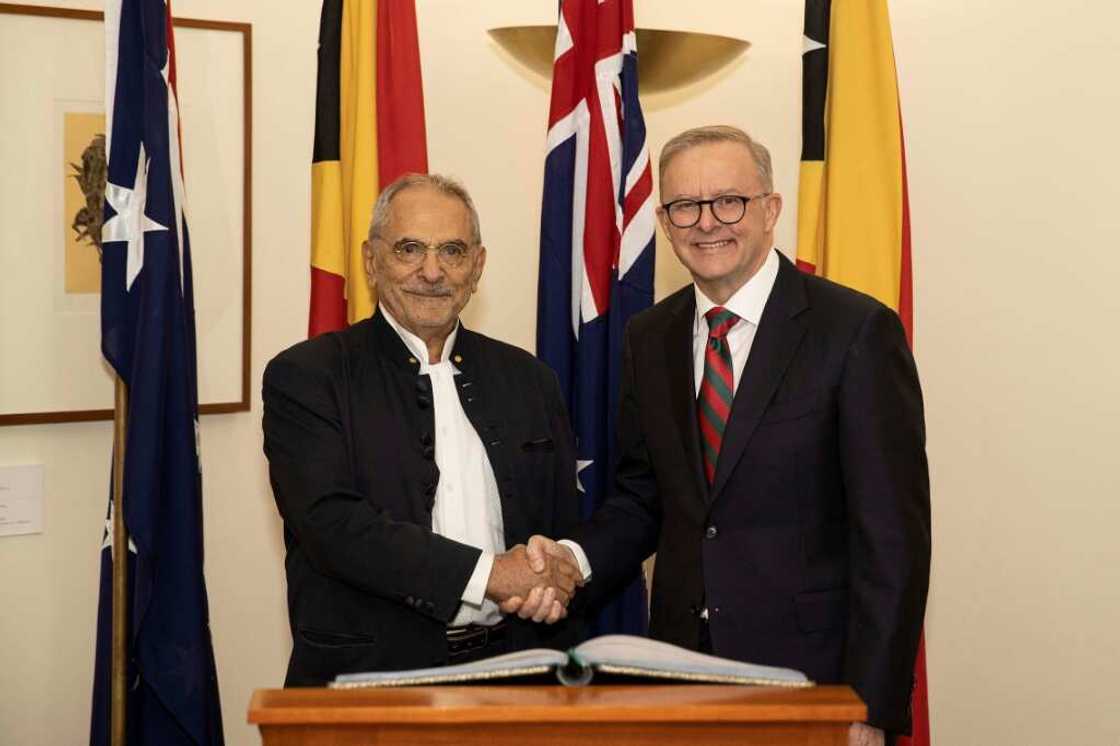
555	704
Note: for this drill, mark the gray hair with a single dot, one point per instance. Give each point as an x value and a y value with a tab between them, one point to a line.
718	133
443	184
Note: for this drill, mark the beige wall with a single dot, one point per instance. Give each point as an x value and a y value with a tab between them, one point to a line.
1010	113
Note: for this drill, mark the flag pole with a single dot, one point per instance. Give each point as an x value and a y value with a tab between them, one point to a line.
118	667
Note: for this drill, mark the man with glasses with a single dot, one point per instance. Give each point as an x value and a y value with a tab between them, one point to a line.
410	458
772	451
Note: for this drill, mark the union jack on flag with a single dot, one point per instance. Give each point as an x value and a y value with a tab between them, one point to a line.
597	241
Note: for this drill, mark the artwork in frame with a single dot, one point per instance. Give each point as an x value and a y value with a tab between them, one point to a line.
51	182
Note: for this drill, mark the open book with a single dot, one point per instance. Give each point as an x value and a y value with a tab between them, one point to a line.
612	654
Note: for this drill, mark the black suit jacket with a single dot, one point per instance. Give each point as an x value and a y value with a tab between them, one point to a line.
811	549
348	432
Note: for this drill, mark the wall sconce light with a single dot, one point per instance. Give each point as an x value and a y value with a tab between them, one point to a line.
666	59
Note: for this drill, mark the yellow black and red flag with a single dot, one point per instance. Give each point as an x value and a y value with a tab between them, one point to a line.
369	130
853	223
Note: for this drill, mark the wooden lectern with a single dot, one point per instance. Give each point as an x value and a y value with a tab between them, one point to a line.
537	715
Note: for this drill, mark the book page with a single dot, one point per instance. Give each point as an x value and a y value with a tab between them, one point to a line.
628	654
521	663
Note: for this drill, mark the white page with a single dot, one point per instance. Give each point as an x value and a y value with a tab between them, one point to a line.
537	657
641	652
21	500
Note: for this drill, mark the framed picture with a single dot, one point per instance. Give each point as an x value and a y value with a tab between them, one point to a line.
51	181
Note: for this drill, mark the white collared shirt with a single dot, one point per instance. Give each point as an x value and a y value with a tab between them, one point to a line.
747	303
467	506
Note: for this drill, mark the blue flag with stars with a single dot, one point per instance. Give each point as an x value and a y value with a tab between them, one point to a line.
148	337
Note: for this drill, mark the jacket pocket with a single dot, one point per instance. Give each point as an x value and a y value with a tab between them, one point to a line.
324	639
538	445
818	611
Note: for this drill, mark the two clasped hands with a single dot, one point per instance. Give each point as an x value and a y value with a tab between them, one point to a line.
535	581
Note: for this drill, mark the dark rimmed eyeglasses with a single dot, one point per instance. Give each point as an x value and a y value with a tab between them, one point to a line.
726	208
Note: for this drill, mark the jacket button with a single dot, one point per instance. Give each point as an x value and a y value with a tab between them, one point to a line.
711	533
430	490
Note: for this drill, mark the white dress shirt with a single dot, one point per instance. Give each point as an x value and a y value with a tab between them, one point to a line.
467	506
747	303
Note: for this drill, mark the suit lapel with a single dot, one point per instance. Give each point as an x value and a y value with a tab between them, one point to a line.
778	336
679	362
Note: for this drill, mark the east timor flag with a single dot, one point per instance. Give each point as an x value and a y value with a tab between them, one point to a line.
853	223
369	130
853	218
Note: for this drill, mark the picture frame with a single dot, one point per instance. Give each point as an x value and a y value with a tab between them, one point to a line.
51	368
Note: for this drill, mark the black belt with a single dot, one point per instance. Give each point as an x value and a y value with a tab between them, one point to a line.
462	640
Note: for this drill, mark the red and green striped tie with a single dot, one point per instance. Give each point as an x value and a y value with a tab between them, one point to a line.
717	388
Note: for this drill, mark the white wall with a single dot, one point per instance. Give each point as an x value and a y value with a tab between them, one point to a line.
1008	109
1011	115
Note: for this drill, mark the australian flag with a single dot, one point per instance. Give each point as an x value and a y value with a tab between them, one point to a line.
597	242
148	337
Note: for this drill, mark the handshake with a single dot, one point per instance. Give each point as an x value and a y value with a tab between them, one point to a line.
535	581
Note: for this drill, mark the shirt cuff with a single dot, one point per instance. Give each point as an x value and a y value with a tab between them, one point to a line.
581	558
475	592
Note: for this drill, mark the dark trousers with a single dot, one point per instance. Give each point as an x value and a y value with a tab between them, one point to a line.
705	646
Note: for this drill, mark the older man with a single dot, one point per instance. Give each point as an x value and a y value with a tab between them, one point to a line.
407	456
772	450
